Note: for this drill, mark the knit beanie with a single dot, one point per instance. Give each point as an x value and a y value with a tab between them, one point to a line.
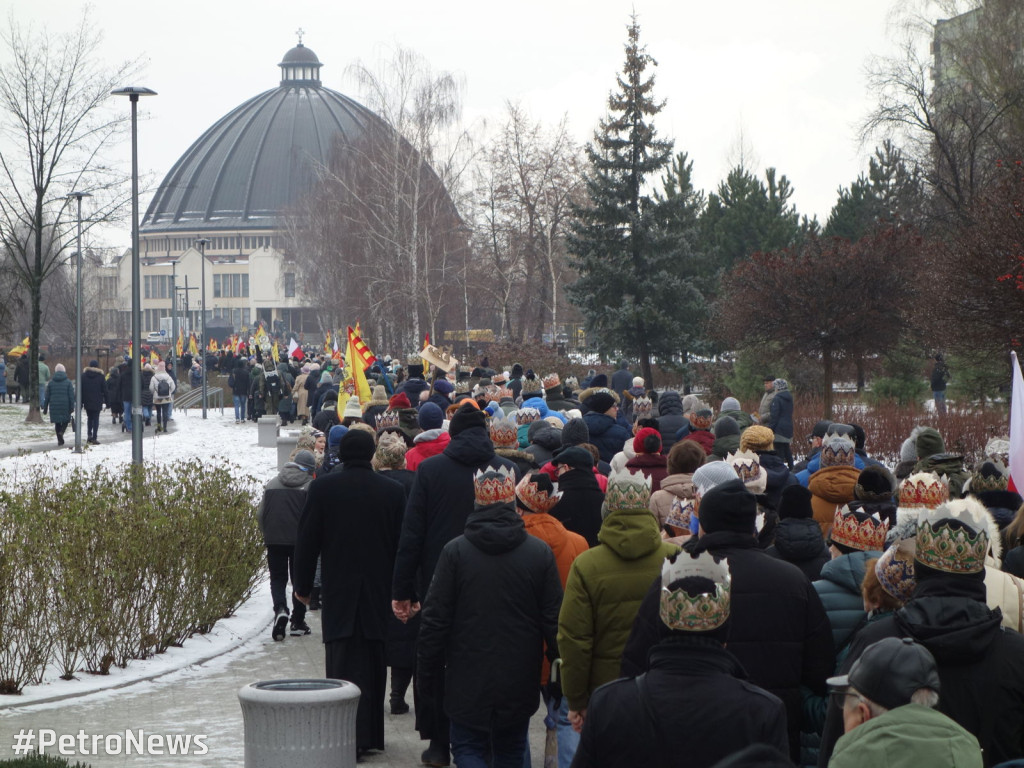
401	400
710	475
390	453
430	416
929	442
334	436
726	426
575	432
728	507
352	409
647	440
600	402
305	459
465	418
757	438
356	445
730	404
796	503
601	380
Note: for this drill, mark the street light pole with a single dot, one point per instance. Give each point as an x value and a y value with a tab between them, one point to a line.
133	93
78	325
202	242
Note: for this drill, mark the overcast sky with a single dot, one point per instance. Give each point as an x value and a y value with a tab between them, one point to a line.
788	76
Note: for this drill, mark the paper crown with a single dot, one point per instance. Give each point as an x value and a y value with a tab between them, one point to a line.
535	499
680	513
387	419
530	385
702	418
838	450
961	549
643	408
499	378
551	381
504	393
895	569
527	416
858	530
503	432
747	465
462	387
700	613
494	486
924	490
627	490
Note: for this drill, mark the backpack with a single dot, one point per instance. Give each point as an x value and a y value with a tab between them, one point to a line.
273	382
163	388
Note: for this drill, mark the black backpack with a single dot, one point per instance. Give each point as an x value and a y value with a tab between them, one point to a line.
274	382
163	388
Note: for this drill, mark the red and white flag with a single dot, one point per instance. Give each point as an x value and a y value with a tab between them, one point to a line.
1017	428
295	351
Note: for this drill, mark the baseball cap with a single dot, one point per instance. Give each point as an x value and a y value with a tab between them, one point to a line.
890	671
820	429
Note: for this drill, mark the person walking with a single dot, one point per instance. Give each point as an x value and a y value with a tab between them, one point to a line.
162	387
938	379
59	401
3	380
94	387
780	420
238	380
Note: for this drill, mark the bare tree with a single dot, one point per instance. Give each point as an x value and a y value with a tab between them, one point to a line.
56	122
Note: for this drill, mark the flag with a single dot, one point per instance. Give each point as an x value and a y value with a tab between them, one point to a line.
262	340
193	348
130	350
275	352
327	344
154	358
362	351
294	350
426	343
336	355
21	349
357	355
179	345
212	345
1016	428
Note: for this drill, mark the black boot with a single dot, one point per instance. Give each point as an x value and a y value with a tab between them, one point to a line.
314	600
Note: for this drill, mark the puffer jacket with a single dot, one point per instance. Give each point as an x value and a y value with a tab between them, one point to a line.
59	398
678	486
281	506
949	464
831	487
93	389
670	418
798	541
779	476
606	433
605	587
544	441
839	590
425	445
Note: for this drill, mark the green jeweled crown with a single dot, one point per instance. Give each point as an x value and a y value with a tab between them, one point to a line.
699	613
953	549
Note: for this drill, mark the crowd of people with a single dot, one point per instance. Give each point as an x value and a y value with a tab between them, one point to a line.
663	577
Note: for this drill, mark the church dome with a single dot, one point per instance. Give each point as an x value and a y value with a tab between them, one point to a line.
261	156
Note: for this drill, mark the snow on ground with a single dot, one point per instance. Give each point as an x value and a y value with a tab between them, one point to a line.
216	439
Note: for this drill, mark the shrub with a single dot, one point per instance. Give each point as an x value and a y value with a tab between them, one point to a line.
98	568
41	761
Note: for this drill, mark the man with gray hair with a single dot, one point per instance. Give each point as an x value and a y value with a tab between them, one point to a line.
889	701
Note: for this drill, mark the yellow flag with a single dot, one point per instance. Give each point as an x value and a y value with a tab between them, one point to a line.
356	369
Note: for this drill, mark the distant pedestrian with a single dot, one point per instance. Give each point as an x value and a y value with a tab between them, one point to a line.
94	394
939	377
59	401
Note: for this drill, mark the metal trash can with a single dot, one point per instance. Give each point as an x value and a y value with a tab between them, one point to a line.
311	723
285	445
267	431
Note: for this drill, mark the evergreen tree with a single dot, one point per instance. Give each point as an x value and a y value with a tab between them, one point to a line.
624	244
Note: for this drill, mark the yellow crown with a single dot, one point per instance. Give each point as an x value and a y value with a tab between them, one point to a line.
924	489
700	613
494	486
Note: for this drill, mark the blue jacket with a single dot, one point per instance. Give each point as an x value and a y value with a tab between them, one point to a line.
606	433
781	420
814	464
839	590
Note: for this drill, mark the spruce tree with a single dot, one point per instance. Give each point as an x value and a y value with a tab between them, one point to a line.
630	260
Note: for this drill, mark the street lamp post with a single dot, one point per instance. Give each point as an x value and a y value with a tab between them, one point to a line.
202	242
133	92
78	325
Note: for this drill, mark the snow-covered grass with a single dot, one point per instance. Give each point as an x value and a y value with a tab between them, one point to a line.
217	439
14	430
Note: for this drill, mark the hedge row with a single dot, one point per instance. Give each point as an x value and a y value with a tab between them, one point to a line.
98	568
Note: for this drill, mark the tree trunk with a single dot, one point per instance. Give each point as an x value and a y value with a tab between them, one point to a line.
826	361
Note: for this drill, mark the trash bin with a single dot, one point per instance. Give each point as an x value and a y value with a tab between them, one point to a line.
285	445
311	723
266	431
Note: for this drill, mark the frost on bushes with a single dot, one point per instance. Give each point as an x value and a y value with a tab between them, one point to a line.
98	568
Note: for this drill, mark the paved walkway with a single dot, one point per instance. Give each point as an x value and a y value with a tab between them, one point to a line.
204	700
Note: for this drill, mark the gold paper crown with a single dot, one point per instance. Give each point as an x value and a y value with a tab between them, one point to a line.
953	550
551	381
527	416
680	514
627	490
864	533
503	432
387	419
703	612
925	490
534	498
643	408
747	465
494	486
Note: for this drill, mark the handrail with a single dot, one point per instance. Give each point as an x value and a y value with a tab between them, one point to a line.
194	397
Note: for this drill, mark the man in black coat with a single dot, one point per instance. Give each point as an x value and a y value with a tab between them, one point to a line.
439	505
126	393
981	665
492	605
352	519
579	509
622	379
670	419
94	387
694	700
779	633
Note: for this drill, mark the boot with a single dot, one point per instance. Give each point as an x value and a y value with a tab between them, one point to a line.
314	600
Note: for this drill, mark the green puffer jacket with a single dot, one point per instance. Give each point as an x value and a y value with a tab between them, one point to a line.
60	398
949	464
604	590
910	735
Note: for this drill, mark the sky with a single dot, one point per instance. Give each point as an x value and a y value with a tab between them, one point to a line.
786	81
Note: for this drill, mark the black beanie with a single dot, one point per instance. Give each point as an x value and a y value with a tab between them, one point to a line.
599	402
466	417
728	507
795	502
356	445
726	426
575	432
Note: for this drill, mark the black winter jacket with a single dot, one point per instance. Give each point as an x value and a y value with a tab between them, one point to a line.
704	706
778	474
980	663
579	509
799	541
94	389
670	419
113	391
281	506
352	518
492	605
779	632
439	504
239	380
